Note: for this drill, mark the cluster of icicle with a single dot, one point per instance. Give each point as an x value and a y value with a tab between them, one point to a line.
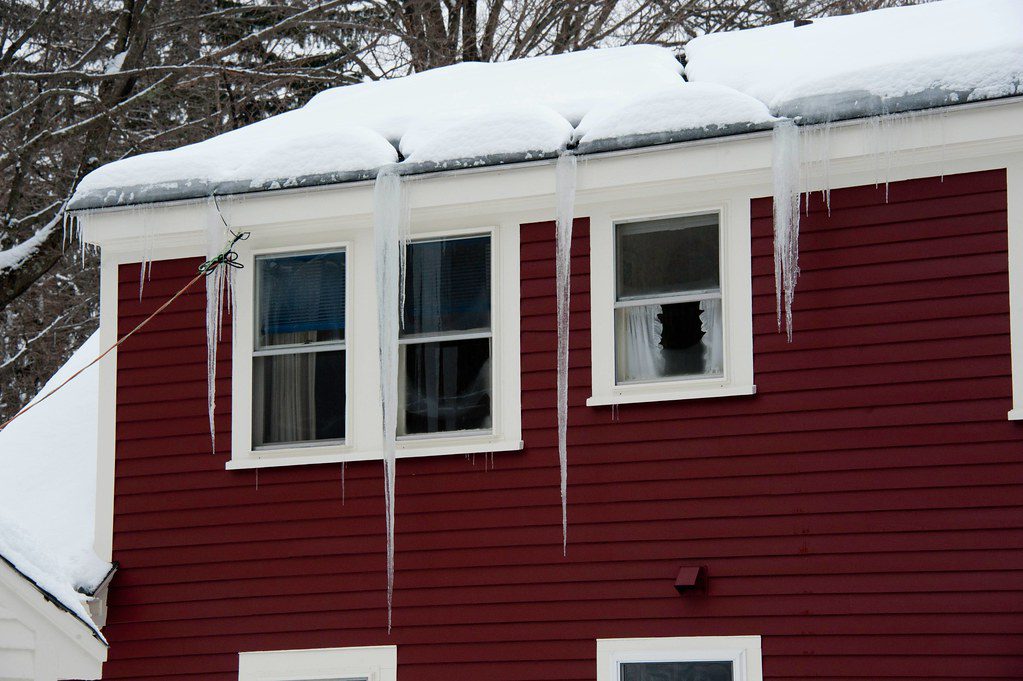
219	290
391	234
785	171
801	164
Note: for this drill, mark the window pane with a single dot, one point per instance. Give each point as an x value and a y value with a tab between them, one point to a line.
673	255
301	298
298	397
660	341
447	285
445	386
676	671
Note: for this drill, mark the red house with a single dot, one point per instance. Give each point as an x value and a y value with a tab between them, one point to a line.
740	507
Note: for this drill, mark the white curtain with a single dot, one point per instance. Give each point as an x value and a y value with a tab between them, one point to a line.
290	382
639	346
710	324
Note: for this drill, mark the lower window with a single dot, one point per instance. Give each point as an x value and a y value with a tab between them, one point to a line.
703	658
366	663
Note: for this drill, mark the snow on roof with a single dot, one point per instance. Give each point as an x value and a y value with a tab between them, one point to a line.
48	487
671	113
488	113
875	62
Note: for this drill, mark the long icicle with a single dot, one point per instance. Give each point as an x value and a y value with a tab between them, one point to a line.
390	215
786	168
216	284
565	181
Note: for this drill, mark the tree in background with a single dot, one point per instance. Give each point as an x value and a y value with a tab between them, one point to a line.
86	82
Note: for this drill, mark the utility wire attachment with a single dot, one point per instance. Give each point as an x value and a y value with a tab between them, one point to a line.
228	256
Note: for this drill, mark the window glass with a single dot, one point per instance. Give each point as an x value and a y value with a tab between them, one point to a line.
299	397
676	671
447	386
668	315
445	373
301	299
298	388
447	286
667	256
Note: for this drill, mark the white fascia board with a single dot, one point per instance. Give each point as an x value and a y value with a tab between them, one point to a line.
71	648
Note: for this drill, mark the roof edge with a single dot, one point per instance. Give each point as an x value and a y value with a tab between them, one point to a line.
57	602
859	107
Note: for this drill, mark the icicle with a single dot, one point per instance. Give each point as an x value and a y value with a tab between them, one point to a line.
786	167
66	226
815	142
217	283
147	229
391	226
342	483
565	181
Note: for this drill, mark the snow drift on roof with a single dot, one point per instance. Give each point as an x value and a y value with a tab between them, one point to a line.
282	149
678	112
525	129
48	486
464	111
571	84
886	60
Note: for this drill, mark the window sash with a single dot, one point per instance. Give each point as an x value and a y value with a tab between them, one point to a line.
447	336
430	337
257	315
679	295
656	225
669	299
295	349
257	419
299	349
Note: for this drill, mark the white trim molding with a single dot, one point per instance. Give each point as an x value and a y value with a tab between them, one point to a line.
1014	207
372	663
39	639
363	433
733	211
743	652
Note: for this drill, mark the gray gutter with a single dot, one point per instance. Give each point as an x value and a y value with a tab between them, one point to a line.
843	108
862	104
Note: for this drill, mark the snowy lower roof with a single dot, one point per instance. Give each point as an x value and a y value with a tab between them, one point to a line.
48	488
474	114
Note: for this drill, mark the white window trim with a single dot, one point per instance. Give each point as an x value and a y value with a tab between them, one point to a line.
363	432
736	301
1014	208
376	663
743	651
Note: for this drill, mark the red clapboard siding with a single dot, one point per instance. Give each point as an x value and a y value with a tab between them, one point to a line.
862	511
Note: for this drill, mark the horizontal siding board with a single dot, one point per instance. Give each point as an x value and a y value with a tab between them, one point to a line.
869	489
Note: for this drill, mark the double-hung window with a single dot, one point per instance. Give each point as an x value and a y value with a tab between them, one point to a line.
446	341
670	299
298	365
668	321
307	352
708	658
363	663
